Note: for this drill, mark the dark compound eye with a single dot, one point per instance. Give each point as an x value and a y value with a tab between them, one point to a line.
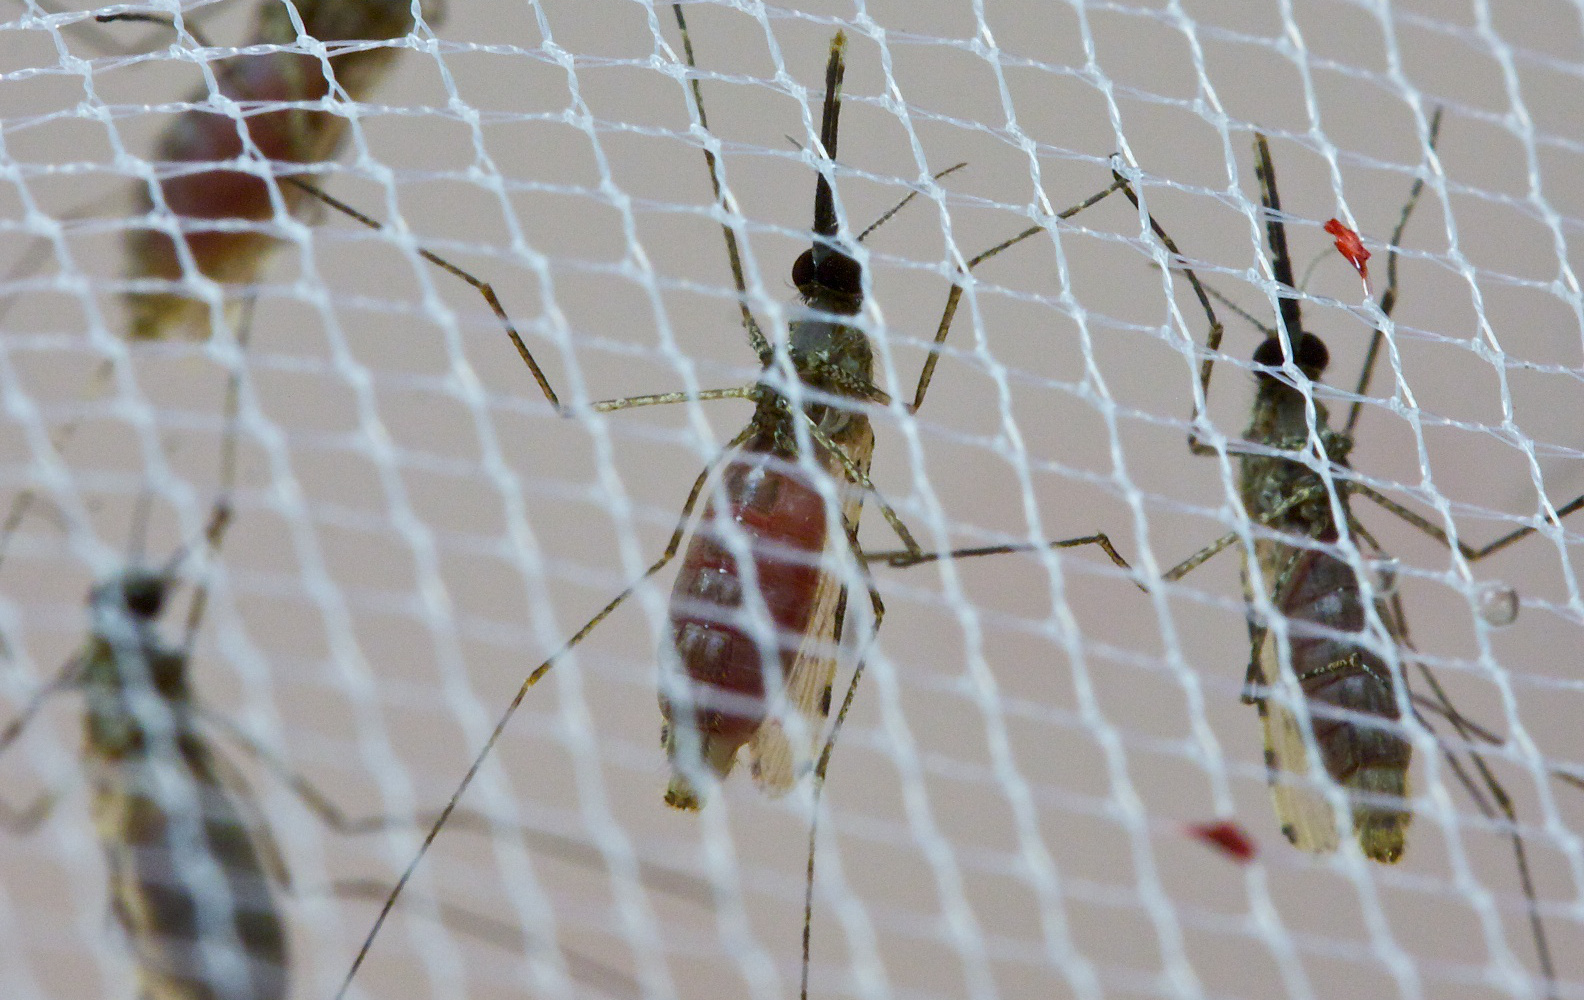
803	270
1269	353
841	274
144	595
1311	356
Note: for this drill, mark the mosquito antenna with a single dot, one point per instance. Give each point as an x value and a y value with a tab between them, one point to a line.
894	209
1243	314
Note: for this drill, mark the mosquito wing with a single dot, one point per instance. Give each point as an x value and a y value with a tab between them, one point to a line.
1306	816
778	760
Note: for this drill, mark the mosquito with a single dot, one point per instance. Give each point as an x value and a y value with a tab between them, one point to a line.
760	601
192	863
1351	711
220	214
207	202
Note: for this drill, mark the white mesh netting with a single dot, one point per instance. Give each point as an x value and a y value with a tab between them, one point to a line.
416	529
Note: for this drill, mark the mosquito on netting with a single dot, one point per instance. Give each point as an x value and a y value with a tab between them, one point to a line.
190	856
1295	484
748	644
198	217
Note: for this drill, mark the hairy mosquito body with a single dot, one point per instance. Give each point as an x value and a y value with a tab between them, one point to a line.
209	200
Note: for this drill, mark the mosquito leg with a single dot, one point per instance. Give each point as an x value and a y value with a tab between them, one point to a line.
657	877
502	934
1388	299
220	517
1503	803
756	338
67	677
1212	340
110	43
160	19
955	295
822	767
667	398
1201	557
671	549
1242	314
902	559
1478	731
23	504
1468	552
484	288
860	478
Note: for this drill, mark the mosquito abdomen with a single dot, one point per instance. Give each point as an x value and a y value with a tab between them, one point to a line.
237	256
187	884
723	666
1341	681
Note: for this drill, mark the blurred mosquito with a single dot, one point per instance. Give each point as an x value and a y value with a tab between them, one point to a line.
760	601
198	218
191	859
1350	707
208	204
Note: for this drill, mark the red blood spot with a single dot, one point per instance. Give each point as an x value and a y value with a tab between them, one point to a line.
1226	837
1350	246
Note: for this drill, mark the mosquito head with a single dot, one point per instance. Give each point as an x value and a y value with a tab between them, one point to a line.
141	592
1310	356
829	280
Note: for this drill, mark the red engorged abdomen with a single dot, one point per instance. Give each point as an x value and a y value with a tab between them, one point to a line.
290	136
784	521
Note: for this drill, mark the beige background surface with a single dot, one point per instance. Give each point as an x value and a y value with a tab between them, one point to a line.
417	530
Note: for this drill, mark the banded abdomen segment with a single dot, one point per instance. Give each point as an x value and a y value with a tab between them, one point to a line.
1341	681
726	674
187	882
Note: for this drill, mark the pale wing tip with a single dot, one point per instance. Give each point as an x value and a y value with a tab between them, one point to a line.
776	767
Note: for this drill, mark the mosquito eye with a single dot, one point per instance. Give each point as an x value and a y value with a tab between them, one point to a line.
1269	353
1312	355
841	273
803	271
144	596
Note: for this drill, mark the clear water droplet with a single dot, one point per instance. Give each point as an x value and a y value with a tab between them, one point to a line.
1497	604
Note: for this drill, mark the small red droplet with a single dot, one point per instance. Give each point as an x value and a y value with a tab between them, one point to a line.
1228	838
1350	246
